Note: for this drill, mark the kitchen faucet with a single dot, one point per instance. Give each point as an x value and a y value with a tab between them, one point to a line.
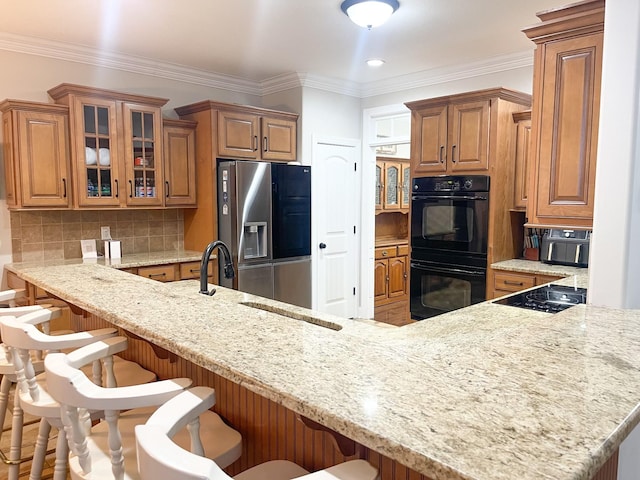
228	265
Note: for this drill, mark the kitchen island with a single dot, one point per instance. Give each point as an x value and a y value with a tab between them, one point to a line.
486	392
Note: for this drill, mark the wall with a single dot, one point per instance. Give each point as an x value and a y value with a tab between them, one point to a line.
520	79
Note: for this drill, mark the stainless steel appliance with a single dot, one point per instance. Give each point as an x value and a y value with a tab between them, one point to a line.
449	229
566	247
264	216
548	298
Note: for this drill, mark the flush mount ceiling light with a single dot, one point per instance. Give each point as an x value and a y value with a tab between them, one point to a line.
369	13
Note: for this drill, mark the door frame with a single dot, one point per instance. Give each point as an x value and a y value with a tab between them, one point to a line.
317	140
368	211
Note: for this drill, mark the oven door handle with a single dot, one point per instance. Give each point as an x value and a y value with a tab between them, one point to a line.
433	268
447	197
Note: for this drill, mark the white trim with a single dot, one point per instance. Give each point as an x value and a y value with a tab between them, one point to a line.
146	66
368	209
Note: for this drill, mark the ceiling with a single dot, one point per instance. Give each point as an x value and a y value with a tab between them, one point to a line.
257	40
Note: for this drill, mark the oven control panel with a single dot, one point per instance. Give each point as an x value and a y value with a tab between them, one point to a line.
455	183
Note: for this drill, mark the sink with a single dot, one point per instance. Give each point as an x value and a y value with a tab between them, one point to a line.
294	315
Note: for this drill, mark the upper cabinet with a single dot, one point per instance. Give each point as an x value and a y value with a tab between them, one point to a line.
521	145
392	185
99	149
255	133
564	128
36	154
451	135
179	165
116	146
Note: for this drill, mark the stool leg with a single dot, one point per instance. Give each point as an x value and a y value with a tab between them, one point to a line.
16	437
62	456
5	386
40	450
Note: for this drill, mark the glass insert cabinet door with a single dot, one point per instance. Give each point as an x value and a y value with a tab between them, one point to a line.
97	154
143	154
406	186
392	186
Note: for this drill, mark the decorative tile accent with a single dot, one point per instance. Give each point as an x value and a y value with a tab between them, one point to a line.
38	235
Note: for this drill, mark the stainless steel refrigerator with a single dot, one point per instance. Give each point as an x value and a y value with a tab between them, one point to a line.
264	216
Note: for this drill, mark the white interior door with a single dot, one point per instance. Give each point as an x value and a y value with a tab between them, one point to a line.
336	201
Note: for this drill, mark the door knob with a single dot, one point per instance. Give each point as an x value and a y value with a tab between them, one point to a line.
323	245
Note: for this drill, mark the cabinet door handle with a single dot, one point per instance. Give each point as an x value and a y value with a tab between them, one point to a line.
453	154
265	144
130	189
441	153
117	188
255	143
166	184
64	188
194	270
152	275
511	282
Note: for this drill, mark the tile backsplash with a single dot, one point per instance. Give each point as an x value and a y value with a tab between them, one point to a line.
50	235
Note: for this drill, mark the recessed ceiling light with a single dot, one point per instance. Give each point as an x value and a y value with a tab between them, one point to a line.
375	62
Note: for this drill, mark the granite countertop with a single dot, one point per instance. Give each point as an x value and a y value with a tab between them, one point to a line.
486	392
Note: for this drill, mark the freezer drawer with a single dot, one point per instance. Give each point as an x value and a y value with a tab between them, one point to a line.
256	279
292	282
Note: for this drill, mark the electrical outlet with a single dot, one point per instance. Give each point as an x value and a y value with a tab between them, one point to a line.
105	233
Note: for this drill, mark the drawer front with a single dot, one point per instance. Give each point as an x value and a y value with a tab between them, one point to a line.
386	252
542	279
403	250
513	282
162	273
191	270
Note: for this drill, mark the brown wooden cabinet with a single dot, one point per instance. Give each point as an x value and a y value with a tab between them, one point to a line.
450	135
116	146
36	154
567	71
256	135
505	283
179	163
392	185
391	274
522	143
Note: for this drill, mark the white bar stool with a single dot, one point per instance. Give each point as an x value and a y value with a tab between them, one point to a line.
108	449
161	457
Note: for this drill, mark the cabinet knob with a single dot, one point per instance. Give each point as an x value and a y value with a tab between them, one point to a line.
385	253
322	245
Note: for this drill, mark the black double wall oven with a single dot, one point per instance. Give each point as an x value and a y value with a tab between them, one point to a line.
449	229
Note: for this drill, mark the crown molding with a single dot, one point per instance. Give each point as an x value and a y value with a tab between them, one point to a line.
127	63
287	81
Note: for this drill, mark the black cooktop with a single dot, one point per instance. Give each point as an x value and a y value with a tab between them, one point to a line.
549	298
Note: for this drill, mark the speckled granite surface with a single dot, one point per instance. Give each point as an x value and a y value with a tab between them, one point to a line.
486	392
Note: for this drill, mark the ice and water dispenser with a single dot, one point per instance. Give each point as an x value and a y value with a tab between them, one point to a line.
255	240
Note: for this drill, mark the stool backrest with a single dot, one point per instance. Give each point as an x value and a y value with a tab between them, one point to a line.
159	456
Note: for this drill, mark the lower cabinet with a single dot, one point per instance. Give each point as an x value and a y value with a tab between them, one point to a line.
172	272
391	273
505	283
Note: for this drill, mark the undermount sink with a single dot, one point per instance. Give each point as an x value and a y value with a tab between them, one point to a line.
293	315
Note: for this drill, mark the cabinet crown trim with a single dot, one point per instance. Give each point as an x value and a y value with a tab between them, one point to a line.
71	89
9	104
576	19
488	94
172	122
232	107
